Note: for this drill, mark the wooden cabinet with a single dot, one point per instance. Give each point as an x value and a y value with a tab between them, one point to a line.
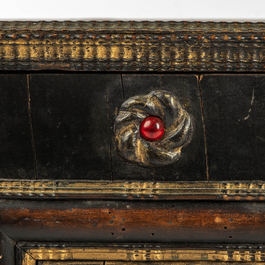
80	184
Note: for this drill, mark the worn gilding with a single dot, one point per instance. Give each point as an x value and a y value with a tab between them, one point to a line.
133	190
74	263
27	259
143	255
161	263
132	46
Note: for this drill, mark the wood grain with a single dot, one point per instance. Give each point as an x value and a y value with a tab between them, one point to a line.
114	221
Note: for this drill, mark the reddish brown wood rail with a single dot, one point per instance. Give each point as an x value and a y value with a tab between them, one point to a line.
108	221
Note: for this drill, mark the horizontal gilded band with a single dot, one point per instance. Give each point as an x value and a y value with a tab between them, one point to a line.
116	256
153	26
132	46
133	190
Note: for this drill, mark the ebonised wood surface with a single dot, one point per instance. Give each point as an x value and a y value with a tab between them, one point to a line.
234	109
191	165
17	158
60	126
70	120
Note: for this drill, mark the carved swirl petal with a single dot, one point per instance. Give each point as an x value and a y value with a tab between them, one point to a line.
133	147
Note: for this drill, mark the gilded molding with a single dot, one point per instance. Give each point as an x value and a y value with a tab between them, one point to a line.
158	255
75	263
131	26
133	190
132	46
27	259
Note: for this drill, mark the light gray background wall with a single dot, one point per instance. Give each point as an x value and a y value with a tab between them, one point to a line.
204	10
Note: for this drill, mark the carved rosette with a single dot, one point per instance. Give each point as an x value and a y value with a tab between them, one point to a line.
178	129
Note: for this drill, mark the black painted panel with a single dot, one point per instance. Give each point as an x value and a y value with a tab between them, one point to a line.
235	126
7	250
16	153
191	165
70	114
122	169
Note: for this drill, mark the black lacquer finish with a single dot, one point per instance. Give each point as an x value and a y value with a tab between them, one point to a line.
16	155
68	126
73	116
70	115
133	85
191	165
7	250
235	126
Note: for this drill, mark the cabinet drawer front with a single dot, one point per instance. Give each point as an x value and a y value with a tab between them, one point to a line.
70	127
61	126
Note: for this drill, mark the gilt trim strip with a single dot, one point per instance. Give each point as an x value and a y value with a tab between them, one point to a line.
132	46
133	190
